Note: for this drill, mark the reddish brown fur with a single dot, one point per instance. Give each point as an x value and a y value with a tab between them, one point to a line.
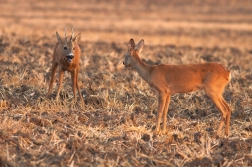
60	60
171	79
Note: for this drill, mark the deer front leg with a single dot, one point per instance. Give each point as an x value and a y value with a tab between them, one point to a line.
61	76
54	67
74	83
161	104
167	103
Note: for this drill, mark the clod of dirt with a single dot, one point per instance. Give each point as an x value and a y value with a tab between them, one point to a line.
146	137
17	117
74	144
210	58
3	135
111	156
35	121
175	137
24	135
201	113
197	137
235	148
94	101
133	118
200	162
210	130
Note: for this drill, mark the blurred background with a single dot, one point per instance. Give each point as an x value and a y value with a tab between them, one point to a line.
207	23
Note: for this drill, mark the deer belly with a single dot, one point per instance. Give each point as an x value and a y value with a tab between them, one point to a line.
184	88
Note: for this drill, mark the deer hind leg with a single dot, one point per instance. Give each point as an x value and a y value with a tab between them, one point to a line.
161	105
167	103
54	68
61	76
218	101
227	117
78	88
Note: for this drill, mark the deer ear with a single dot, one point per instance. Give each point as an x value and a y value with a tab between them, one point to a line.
140	46
131	45
77	38
58	37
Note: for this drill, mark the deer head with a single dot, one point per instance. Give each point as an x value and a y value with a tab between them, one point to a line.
134	51
68	46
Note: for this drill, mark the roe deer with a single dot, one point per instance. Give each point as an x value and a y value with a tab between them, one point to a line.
171	79
66	56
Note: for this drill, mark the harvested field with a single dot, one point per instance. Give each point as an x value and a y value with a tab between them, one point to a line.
115	128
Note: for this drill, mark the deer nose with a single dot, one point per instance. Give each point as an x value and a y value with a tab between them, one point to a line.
71	56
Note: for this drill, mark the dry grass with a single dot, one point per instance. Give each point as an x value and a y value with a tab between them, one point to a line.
115	128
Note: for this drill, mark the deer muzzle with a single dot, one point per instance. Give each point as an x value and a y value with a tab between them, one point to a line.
69	58
126	65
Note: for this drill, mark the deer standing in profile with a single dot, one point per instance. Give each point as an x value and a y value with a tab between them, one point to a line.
172	79
66	56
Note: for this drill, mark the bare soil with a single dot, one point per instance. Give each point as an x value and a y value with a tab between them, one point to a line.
116	125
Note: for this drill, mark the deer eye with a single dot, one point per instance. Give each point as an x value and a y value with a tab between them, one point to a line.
65	48
73	48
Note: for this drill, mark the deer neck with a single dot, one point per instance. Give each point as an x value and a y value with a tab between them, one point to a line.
142	68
